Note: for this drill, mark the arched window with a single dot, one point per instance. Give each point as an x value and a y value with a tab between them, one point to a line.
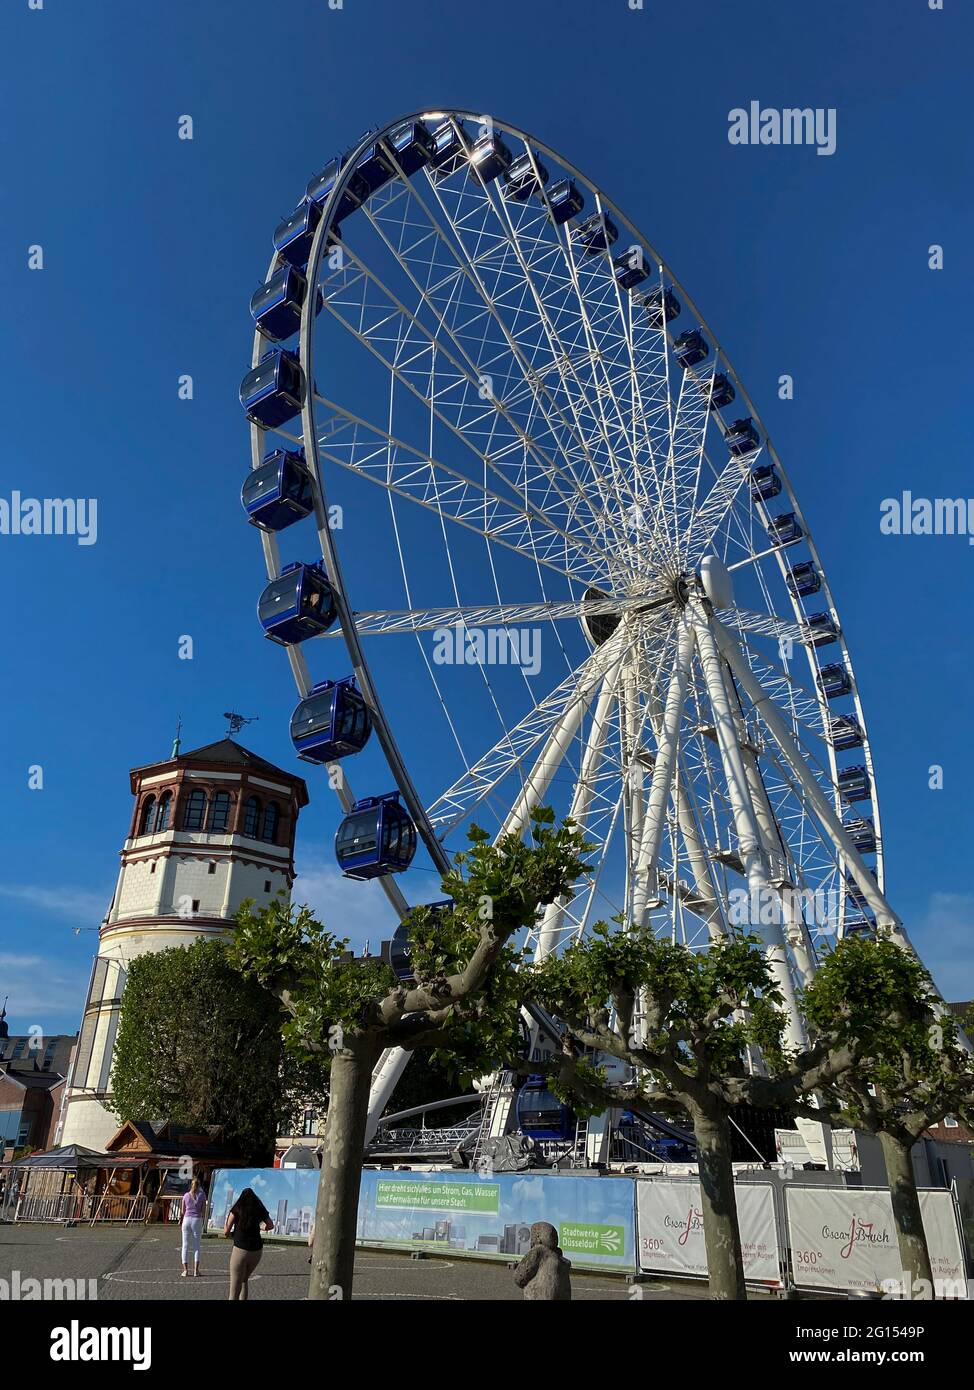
164	811
194	816
251	818
220	812
271	816
145	820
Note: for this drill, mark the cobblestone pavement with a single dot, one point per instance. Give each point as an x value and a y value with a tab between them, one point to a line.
144	1263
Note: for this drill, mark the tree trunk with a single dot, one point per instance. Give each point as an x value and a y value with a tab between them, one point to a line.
722	1237
336	1212
910	1235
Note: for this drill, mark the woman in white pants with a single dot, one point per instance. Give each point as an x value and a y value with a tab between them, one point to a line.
194	1205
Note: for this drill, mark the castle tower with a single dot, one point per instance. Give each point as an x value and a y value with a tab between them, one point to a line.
209	828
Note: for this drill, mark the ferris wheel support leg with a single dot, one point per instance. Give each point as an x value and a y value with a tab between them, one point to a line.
746	823
581	801
560	737
795	931
661	785
824	810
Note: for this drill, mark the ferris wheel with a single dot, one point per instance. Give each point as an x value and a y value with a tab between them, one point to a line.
547	555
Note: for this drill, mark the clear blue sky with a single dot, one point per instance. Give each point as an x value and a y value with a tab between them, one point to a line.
152	246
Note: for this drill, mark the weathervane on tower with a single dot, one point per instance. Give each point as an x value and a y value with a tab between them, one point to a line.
235	722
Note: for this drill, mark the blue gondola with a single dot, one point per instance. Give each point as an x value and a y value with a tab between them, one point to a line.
860	926
293	236
785	529
489	157
449	145
742	437
375	169
400	950
845	732
862	833
297	605
276	305
565	201
597	233
854	893
804	579
722	392
821	629
279	491
662	306
765	483
321	184
854	783
834	681
412	144
690	348
630	269
271	393
376	837
331	722
541	1114
521	179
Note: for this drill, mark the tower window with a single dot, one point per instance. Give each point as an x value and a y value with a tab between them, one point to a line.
271	816
251	817
211	867
267	885
195	812
220	813
145	820
162	815
196	904
152	867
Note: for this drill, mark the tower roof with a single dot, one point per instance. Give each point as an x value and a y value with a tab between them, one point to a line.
226	752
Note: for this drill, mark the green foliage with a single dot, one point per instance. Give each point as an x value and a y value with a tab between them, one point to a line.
877	999
702	1009
465	1001
198	1045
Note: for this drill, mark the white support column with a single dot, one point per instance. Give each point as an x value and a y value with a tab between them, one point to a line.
745	820
661	786
605	662
823	808
794	928
582	799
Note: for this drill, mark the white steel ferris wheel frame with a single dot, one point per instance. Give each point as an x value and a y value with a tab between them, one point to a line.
613	674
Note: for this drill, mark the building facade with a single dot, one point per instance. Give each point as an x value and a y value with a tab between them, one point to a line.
209	829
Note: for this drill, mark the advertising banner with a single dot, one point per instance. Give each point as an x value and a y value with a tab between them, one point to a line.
289	1195
460	1213
669	1224
490	1216
844	1238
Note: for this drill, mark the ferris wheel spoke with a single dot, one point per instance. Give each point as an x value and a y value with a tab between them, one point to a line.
452	393
380	458
555	720
384	621
553	297
421	248
505	401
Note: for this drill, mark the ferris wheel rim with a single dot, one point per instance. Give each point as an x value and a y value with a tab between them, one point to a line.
327	541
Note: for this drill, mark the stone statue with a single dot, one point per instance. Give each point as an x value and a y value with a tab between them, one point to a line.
544	1272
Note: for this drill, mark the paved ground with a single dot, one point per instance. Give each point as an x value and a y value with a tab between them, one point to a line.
143	1263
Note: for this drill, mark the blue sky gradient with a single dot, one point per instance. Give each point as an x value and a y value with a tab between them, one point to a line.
812	266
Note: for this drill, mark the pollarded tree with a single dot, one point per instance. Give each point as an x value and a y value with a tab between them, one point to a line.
197	1045
463	1001
913	1067
685	1021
